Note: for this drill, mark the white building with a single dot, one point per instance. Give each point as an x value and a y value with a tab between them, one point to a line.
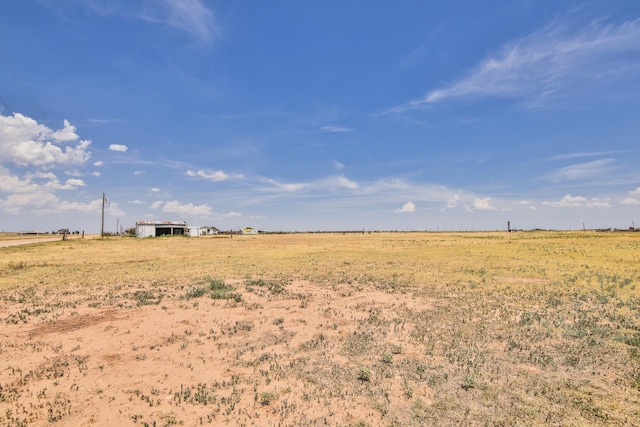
202	231
161	228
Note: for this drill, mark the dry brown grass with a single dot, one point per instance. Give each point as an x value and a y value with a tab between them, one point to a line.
531	328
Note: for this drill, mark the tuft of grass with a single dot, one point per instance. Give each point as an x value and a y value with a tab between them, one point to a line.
145	297
267	398
216	289
364	374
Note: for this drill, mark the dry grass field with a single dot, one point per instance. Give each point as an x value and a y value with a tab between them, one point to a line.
381	329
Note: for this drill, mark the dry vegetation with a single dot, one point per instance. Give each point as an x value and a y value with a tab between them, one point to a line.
406	329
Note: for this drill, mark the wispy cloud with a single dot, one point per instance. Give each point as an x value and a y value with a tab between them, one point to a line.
273	184
339	181
582	171
553	63
569	156
336	129
337	165
192	17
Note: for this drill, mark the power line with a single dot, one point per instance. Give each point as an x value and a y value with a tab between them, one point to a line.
6	61
18	117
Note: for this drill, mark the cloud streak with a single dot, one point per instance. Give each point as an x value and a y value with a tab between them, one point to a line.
583	171
553	63
191	17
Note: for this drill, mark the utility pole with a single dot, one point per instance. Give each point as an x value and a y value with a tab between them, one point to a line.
102	228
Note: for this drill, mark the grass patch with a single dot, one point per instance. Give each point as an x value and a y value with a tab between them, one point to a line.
216	289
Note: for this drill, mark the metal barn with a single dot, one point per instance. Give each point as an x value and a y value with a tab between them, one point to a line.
161	228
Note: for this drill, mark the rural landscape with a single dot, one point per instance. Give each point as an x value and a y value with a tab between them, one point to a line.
375	329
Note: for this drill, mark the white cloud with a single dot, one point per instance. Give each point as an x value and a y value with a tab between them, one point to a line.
452	202
139	172
552	63
155	190
24	142
336	129
98	163
70	184
74	172
39	202
96	174
118	147
66	134
34	193
188	209
407	207
136	202
94	206
213	176
483	204
630	201
569	201
337	165
156	205
633	200
231	214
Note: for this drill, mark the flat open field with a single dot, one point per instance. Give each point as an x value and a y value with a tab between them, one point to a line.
402	329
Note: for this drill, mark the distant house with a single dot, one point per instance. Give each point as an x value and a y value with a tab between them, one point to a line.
161	228
249	230
203	231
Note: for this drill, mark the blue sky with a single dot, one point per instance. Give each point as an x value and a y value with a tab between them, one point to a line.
332	115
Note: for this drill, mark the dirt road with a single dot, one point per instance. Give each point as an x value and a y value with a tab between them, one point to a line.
5	243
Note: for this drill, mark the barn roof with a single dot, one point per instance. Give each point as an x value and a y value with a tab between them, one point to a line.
176	223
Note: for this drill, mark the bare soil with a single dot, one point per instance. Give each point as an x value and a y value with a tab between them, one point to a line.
425	329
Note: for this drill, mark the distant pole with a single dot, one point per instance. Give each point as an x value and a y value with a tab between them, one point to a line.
102	228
